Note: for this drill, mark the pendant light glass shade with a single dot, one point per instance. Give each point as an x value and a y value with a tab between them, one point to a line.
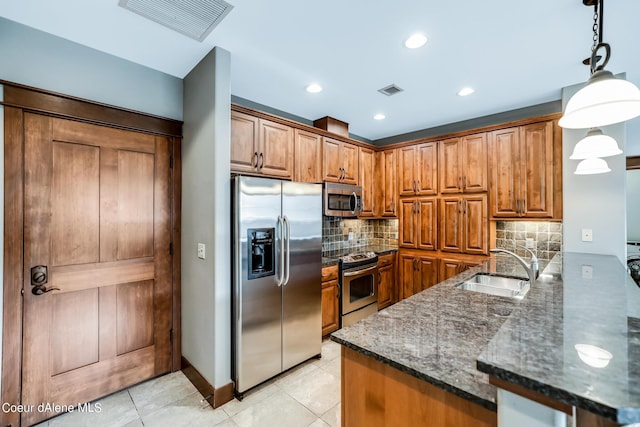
592	166
595	144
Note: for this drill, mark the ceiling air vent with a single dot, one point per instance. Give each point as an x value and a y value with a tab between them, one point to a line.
193	18
390	90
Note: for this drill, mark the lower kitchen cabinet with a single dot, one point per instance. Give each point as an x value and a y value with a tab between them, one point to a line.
330	300
417	273
450	267
386	280
463	225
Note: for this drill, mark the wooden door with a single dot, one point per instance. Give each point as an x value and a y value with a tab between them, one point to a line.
408	271
97	217
407	181
505	173
386	183
408	223
428	273
536	154
474	163
449	268
427	226
367	181
449	167
307	157
350	164
244	142
276	149
330	307
450	224
427	169
474	210
331	162
386	281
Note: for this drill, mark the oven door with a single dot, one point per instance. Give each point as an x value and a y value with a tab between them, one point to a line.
359	287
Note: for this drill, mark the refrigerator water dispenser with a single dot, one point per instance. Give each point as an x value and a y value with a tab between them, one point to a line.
261	253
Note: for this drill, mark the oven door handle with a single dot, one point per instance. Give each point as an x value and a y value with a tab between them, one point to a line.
359	272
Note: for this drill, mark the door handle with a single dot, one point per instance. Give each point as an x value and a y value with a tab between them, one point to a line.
261	161
39	278
464	182
280	274
459	183
288	250
255	159
524	206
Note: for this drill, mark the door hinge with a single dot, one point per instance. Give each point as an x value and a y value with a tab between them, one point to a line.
22	291
170	248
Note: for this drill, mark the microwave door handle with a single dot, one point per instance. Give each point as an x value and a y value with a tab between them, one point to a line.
354	197
287	251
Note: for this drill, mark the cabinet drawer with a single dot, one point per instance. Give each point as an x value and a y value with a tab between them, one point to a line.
329	273
385	260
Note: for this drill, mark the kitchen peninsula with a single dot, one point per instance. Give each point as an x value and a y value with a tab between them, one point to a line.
416	363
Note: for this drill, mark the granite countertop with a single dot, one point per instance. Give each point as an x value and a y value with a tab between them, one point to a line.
593	302
437	335
332	257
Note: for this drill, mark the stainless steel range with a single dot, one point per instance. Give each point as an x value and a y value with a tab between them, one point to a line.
359	285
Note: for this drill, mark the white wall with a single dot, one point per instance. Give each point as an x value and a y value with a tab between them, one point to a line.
206	283
596	202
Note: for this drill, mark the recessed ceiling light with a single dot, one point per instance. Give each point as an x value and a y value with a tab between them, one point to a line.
466	91
415	41
314	88
379	116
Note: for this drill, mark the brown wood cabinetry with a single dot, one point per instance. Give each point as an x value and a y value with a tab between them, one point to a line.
386	280
463	224
260	146
367	162
418	170
386	202
450	267
307	157
522	171
463	164
417	272
339	161
330	300
419	223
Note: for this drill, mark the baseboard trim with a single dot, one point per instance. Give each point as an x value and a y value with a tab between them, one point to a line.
215	398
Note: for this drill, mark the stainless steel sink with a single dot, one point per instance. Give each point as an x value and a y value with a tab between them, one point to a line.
496	285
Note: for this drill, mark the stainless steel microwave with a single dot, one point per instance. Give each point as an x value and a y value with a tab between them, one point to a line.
343	200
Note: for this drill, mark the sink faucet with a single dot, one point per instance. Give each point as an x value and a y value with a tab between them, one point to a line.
532	270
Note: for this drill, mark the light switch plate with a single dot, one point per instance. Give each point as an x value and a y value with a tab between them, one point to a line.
587	235
529	243
201	250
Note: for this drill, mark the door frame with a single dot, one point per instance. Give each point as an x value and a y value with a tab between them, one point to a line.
19	99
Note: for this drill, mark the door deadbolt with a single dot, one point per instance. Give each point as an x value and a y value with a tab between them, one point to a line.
39	275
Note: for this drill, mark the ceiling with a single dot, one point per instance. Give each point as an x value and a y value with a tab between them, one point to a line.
513	53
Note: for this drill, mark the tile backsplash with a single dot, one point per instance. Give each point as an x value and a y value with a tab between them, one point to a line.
546	235
336	232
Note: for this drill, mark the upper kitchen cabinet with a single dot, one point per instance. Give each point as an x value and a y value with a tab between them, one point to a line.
463	164
385	184
260	146
522	172
418	170
307	157
339	161
367	161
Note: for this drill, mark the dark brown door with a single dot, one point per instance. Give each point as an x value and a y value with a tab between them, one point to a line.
97	216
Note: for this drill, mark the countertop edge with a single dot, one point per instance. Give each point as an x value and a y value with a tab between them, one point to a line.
492	406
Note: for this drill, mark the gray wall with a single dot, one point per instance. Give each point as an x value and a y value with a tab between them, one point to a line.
206	283
596	202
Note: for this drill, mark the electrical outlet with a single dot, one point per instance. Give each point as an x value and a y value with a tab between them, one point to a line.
529	243
587	272
587	235
201	251
351	235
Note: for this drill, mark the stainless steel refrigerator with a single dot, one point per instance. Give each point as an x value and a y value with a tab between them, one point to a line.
277	262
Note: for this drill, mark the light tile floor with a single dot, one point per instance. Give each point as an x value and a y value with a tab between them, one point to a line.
308	395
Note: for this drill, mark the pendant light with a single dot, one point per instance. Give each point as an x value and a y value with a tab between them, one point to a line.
592	166
595	144
605	99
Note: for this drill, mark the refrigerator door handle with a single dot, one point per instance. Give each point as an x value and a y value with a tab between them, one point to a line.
280	271
287	250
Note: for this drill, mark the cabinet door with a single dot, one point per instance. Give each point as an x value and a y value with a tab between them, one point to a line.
504	148
474	210
536	156
427	169
449	268
244	142
331	162
367	181
450	224
427	226
408	223
449	167
408	271
276	154
428	273
407	182
387	186
307	158
330	307
386	281
474	163
349	157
